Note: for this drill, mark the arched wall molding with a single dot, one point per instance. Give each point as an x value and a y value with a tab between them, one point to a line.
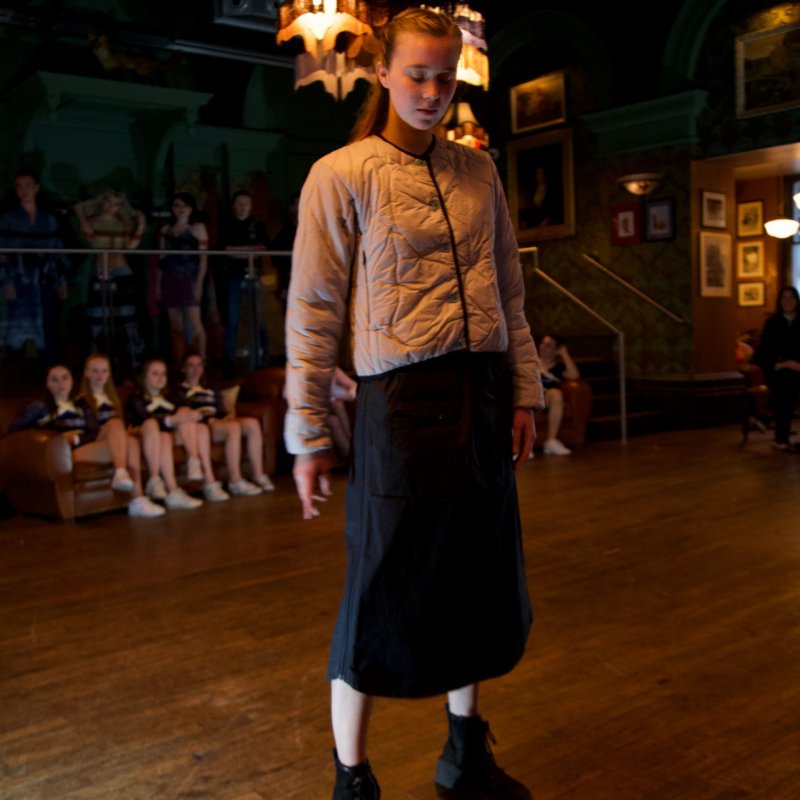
536	25
685	41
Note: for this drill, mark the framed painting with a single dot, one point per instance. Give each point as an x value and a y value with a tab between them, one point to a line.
715	264
625	224
751	293
538	103
750	260
767	66
659	220
540	186
714	210
750	218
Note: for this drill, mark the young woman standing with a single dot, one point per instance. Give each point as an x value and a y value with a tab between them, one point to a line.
414	233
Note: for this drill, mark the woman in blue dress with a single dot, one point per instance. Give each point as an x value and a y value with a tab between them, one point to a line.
181	275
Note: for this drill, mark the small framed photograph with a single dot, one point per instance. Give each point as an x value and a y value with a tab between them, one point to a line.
659	220
714	210
625	224
715	264
540	187
750	218
538	103
750	260
751	293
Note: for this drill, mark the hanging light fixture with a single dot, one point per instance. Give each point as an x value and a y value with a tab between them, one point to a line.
334	59
459	124
783	227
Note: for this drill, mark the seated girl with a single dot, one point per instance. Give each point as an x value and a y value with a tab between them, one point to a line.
225	427
98	390
75	419
556	365
161	424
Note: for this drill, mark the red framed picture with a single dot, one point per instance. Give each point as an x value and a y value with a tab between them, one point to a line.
625	224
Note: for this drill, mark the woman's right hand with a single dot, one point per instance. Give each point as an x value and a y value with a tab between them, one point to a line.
312	477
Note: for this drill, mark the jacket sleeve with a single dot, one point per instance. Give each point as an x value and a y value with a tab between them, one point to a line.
316	309
29	417
524	359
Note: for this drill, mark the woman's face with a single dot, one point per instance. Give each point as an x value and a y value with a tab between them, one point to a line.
59	383
97	373
193	370
421	78
547	348
111	204
180	209
788	302
155	379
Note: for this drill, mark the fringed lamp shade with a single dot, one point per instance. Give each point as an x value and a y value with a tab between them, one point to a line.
337	61
473	66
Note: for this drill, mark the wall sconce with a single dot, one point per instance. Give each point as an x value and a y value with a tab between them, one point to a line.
640	183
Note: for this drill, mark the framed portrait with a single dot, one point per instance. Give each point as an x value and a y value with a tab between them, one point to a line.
659	220
750	218
538	103
750	260
625	224
540	186
714	210
751	293
715	264
767	66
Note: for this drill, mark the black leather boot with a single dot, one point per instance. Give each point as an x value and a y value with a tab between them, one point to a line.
467	769
355	783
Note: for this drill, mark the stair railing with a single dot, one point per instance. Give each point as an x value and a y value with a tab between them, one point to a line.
623	402
631	288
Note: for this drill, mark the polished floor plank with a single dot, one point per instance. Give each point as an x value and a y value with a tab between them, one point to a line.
185	657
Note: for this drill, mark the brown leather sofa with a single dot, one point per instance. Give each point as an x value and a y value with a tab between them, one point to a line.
42	475
577	408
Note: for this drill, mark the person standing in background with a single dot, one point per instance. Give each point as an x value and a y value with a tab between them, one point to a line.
33	284
240	232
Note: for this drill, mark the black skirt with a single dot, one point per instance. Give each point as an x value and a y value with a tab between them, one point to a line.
435	594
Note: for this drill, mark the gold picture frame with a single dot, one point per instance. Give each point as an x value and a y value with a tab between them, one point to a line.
540	186
538	103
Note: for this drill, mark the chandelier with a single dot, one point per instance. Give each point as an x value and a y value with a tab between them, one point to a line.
338	43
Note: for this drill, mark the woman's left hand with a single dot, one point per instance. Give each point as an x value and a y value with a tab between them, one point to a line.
523	434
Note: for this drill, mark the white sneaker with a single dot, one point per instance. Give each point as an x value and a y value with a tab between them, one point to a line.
177	498
144	507
214	492
155	488
555	447
244	488
265	483
122	481
194	470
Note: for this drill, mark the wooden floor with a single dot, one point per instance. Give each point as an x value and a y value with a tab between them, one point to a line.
185	657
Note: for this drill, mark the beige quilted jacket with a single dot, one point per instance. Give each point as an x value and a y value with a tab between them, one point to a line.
422	250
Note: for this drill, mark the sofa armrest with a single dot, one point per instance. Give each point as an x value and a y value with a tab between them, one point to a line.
266	414
35	455
577	406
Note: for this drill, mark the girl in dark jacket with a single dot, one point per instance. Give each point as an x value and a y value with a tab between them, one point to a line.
778	355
